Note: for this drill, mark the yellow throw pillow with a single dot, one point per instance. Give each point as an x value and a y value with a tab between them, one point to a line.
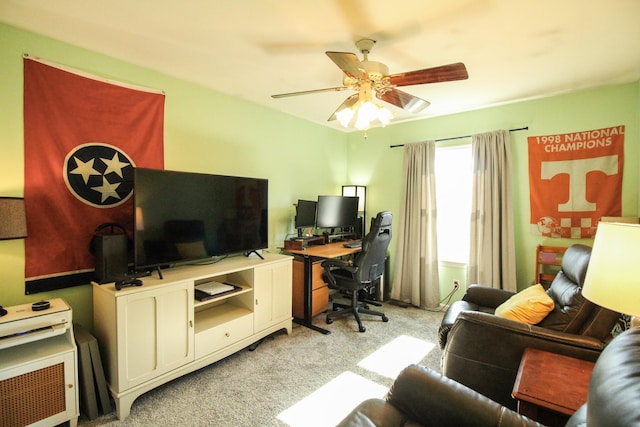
528	306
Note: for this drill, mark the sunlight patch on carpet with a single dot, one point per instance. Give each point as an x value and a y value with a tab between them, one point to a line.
328	405
392	358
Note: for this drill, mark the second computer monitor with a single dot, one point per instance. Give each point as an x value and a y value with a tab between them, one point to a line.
337	212
306	214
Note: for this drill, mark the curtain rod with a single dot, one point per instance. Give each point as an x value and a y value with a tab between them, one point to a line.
460	137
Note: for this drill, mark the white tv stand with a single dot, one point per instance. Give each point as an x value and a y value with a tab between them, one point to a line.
157	332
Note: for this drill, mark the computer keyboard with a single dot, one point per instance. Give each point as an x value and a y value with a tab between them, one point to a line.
354	244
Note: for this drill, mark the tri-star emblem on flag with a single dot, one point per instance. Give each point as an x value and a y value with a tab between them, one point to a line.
99	175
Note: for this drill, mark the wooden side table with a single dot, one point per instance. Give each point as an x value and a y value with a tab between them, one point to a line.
550	387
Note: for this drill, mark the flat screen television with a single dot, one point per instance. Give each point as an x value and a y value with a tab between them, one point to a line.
337	212
184	216
305	215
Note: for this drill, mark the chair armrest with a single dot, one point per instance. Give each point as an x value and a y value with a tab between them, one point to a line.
483	351
374	412
432	399
336	264
330	263
485	296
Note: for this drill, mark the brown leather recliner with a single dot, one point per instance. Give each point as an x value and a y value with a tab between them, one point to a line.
422	397
483	351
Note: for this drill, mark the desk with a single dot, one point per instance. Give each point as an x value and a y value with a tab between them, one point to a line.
309	255
550	387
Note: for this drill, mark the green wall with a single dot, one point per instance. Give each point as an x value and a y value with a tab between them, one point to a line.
584	110
206	131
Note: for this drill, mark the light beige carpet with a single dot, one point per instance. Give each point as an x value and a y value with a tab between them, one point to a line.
303	379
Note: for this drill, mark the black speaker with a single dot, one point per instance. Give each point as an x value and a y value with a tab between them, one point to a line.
111	252
111	257
110	245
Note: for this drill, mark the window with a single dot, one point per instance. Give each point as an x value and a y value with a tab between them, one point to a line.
453	166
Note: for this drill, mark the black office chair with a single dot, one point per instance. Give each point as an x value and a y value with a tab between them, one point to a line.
365	271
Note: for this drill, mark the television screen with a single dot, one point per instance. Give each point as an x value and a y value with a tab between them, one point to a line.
337	212
306	213
183	216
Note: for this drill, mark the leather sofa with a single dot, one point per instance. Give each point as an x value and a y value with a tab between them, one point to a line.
483	351
422	397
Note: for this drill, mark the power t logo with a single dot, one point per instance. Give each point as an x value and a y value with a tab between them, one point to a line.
574	180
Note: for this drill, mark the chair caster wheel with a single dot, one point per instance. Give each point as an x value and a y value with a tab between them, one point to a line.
362	329
385	319
329	321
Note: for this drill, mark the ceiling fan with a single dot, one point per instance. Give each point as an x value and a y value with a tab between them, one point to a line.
370	77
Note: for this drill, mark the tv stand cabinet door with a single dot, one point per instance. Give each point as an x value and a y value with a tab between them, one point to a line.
272	294
155	333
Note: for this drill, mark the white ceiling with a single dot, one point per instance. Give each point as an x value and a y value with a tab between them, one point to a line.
513	49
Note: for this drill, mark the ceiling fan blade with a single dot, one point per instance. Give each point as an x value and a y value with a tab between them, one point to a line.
443	73
406	101
307	92
348	62
349	102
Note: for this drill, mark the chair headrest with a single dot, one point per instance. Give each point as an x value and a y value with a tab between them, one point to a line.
380	225
383	219
575	262
614	389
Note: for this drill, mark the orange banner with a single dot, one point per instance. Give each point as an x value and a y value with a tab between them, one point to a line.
574	180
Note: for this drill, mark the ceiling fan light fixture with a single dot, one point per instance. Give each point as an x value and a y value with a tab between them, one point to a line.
344	116
364	112
367	113
384	116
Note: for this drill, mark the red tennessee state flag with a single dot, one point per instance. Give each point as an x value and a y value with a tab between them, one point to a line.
574	180
82	139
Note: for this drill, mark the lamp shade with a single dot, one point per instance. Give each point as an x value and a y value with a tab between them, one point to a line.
613	275
13	221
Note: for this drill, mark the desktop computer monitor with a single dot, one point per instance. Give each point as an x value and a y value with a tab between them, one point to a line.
337	212
305	215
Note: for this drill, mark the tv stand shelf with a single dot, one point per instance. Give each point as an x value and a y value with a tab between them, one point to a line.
244	289
157	332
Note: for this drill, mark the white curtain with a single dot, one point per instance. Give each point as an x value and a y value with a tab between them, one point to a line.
492	251
415	280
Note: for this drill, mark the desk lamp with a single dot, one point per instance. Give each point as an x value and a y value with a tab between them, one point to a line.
13	222
612	277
